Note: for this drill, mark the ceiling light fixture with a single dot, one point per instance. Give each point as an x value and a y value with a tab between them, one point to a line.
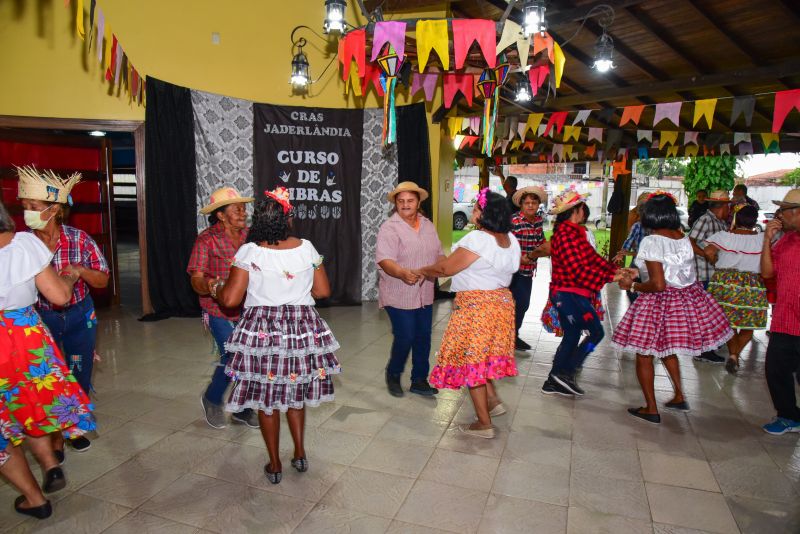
603	53
97	133
522	93
533	17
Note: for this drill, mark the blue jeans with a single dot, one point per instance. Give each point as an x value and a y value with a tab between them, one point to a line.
520	288
220	330
74	329
412	333
576	314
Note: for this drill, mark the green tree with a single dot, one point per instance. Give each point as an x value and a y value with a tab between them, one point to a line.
663	167
710	173
791	178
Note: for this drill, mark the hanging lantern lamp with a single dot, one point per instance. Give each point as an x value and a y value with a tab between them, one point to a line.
334	16
300	78
487	84
533	17
522	92
603	53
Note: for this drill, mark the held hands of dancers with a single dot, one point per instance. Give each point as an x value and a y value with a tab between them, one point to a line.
625	277
411	276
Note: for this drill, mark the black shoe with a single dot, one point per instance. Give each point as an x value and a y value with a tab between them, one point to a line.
521	345
54	480
710	357
680	406
274	478
80	444
60	456
393	384
553	388
568	383
246	417
421	387
649	417
301	464
39	512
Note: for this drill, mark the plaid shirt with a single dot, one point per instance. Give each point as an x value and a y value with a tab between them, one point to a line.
638	232
786	261
576	266
530	236
212	255
707	225
75	247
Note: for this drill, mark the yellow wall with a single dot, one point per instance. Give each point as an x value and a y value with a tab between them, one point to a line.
46	71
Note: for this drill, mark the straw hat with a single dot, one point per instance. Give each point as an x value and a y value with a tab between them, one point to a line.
45	185
718	196
642	198
535	189
791	200
567	200
222	197
403	187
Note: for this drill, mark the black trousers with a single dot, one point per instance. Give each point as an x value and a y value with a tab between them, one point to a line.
783	360
521	287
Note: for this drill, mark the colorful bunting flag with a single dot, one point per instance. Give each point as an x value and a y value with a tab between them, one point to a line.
672	151
745	148
785	102
689	137
613	139
425	82
467	31
543	42
725	149
79	20
101	28
582	117
512	34
454	126
353	46
670	111
738	137
537	76
392	32
668	137
771	142
631	113
559	62
454	83
704	108
596	133
743	105
691	150
643	153
644	134
432	35
557	118
533	123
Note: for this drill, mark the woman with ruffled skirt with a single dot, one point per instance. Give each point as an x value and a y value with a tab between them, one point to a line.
38	394
673	315
478	344
282	350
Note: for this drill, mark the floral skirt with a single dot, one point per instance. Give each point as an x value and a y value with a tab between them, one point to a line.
38	394
550	320
478	344
682	321
743	297
281	357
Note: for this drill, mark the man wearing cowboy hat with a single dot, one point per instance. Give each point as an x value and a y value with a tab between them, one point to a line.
782	261
708	224
527	227
209	266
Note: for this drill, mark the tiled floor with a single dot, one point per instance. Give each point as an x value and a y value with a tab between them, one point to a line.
380	464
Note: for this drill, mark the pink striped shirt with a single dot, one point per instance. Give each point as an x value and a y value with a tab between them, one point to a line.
409	248
786	262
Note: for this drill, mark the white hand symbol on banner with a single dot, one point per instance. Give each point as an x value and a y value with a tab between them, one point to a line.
312	213
324	212
337	212
331	179
285	176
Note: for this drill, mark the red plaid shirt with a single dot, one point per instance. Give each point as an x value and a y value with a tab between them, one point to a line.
576	266
530	236
212	255
786	261
75	247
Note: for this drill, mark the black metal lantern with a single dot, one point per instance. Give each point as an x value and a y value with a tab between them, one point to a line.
533	18
300	78
334	16
522	92
603	53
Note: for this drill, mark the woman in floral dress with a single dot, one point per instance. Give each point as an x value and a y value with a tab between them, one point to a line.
38	394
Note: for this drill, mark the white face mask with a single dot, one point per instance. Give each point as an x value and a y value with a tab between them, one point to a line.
33	219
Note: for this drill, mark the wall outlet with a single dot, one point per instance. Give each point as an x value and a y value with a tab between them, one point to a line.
215	38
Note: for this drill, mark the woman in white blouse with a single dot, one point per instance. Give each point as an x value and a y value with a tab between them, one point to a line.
673	316
737	284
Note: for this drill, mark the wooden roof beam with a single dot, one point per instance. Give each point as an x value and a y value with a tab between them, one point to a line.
734	41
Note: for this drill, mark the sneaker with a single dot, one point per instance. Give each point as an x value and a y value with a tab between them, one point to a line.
421	387
80	444
553	388
710	357
568	383
781	425
521	345
215	417
247	417
393	385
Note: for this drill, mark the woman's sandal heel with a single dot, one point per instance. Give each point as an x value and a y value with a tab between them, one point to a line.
301	464
274	478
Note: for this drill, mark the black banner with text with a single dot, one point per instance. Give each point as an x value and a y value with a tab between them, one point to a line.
316	154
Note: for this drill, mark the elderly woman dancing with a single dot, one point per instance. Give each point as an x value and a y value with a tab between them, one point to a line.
407	241
478	344
38	394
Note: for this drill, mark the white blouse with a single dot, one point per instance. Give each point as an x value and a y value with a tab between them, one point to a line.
494	267
20	261
278	277
676	255
738	251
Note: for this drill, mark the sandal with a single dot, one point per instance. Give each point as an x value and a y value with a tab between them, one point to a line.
274	478
732	366
301	464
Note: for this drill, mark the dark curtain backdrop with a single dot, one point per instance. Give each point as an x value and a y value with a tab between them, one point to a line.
413	149
170	199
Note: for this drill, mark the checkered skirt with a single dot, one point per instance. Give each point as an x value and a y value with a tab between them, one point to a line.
281	357
681	321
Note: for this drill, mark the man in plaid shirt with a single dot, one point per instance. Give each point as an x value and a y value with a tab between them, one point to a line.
708	224
527	227
209	266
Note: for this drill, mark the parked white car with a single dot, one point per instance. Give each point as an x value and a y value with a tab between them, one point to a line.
461	214
764	216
